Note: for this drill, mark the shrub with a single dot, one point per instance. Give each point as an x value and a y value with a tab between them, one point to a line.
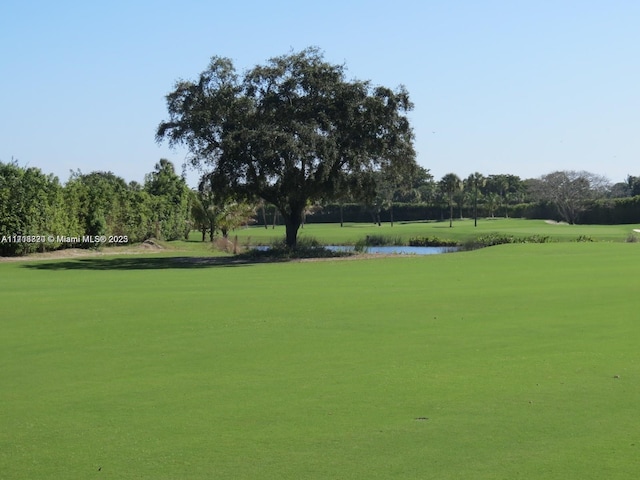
381	241
492	239
431	242
535	239
307	247
361	246
487	240
633	238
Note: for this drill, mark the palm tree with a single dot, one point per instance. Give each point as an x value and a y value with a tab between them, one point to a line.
449	185
475	181
492	202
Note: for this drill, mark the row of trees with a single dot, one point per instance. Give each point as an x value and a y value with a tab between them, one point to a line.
101	203
38	213
564	195
34	204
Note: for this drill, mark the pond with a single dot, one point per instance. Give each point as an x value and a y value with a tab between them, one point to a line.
399	249
387	249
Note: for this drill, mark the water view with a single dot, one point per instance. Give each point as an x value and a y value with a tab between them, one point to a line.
386	250
397	249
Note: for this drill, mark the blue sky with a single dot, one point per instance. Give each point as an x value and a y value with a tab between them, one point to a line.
520	87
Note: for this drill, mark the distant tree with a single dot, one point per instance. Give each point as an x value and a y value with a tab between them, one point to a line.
289	132
415	186
570	191
171	196
217	211
473	184
492	202
139	216
450	184
98	197
203	213
461	198
619	190
12	216
374	195
235	214
389	185
508	188
634	185
31	204
629	188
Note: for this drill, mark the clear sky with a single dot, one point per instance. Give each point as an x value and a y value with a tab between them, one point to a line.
503	86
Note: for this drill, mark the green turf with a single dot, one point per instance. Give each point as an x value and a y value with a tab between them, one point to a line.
517	361
462	230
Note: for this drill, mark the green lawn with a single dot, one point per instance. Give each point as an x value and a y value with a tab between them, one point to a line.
461	230
517	361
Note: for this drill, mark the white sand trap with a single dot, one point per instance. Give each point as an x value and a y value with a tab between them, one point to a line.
636	230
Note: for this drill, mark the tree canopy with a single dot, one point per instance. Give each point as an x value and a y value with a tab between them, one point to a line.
569	191
292	131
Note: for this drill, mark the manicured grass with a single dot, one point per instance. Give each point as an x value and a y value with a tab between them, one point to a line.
462	230
517	361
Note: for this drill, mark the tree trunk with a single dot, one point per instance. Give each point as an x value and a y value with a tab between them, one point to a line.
341	219
292	222
450	212
264	215
292	227
475	210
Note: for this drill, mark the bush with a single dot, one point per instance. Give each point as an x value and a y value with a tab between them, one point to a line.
487	240
535	239
307	247
492	239
381	241
584	238
633	238
431	242
361	246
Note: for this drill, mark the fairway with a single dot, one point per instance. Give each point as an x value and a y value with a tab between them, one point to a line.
515	361
462	230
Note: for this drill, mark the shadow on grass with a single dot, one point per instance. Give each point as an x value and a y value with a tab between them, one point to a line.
140	263
132	262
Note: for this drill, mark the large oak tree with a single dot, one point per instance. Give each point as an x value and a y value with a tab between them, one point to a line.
292	131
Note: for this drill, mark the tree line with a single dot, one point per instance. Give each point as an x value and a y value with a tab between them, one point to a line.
99	204
38	213
567	196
